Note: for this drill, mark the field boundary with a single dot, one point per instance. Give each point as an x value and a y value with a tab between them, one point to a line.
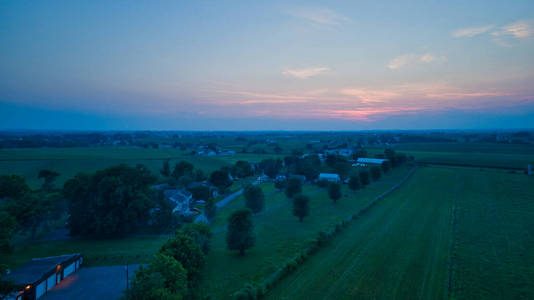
470	165
257	290
451	255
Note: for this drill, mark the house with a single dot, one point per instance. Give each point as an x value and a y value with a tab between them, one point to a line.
363	161
331	177
39	275
342	152
182	200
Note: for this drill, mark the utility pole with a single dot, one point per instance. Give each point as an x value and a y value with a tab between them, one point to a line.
127	282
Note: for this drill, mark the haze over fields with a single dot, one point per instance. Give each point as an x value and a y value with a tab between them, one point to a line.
291	65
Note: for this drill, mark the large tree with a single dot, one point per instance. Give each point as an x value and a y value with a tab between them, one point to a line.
334	191
271	166
166	168
293	187
110	202
354	182
49	177
241	169
220	179
309	166
301	207
254	198
376	173
184	249
364	177
164	278
240	234
183	168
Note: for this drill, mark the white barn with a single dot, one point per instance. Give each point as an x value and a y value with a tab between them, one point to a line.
331	177
364	161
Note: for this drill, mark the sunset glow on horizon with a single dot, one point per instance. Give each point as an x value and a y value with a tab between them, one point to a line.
272	65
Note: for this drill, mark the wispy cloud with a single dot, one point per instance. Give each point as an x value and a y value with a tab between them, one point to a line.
304	73
519	30
412	58
319	16
471	31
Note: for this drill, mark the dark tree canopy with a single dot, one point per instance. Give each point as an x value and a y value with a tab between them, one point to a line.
254	198
386	166
309	166
280	184
200	233
376	173
241	169
183	168
334	191
13	186
293	187
354	182
164	278
301	206
240	234
200	192
49	178
166	168
110	202
271	166
364	177
185	250
220	179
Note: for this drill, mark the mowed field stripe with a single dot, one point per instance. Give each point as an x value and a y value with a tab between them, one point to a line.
398	249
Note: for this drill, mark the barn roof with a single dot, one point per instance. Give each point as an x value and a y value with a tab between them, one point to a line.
329	175
35	269
364	160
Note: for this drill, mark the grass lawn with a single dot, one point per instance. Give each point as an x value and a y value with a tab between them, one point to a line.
398	250
494	236
96	252
472	154
279	235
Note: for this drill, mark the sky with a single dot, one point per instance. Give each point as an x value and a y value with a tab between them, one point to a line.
266	65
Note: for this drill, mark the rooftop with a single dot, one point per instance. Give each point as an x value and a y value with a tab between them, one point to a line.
34	270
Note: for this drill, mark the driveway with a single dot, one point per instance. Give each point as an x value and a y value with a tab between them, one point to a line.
92	283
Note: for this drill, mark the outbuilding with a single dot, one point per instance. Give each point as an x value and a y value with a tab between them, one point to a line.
364	161
39	275
331	177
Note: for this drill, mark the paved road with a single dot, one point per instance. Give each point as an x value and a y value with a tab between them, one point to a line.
96	283
231	197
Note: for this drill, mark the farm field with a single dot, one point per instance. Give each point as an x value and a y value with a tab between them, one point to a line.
69	161
471	154
279	235
400	249
494	236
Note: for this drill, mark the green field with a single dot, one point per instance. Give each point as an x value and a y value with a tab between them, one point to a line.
69	161
398	250
279	234
494	236
401	248
100	252
471	154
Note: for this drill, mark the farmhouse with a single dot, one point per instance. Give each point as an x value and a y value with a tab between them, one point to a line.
363	161
40	275
329	177
181	200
